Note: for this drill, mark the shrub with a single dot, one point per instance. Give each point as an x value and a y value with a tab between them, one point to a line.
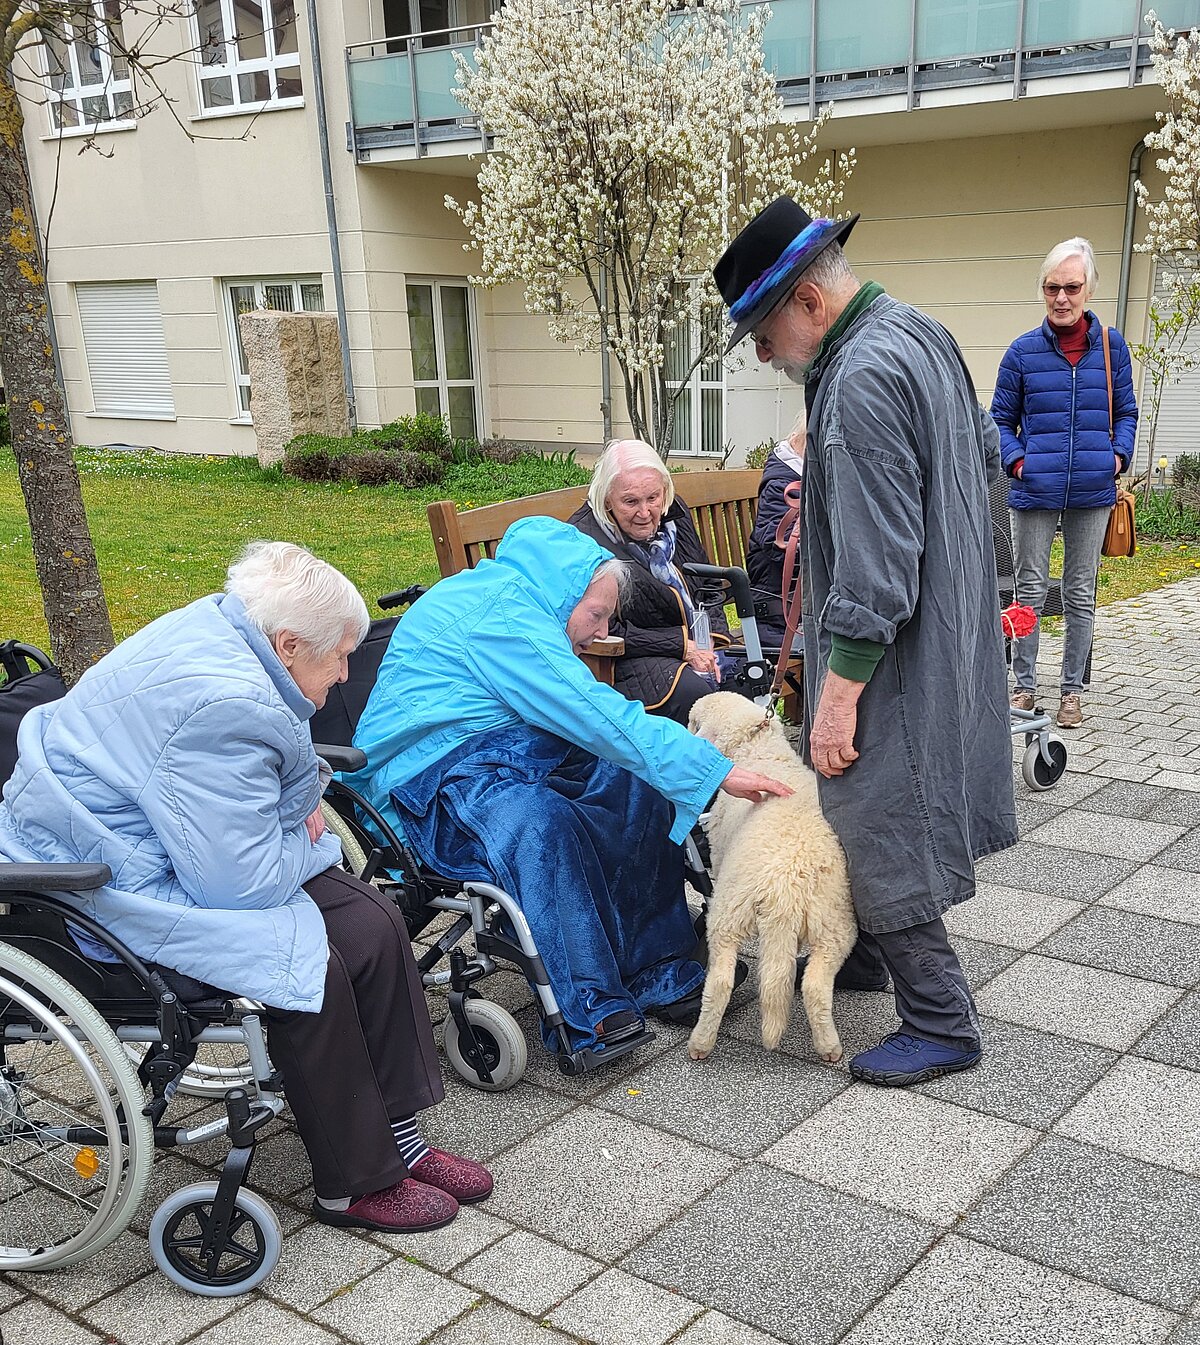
5	431
422	433
501	451
413	451
757	456
1166	515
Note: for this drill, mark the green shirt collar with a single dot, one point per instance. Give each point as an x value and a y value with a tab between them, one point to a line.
865	297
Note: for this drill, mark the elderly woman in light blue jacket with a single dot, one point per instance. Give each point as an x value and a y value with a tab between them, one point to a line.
183	760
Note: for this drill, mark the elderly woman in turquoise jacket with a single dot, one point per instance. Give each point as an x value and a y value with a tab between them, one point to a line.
502	758
183	760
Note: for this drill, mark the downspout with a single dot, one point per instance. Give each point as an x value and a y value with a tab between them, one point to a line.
1135	163
335	246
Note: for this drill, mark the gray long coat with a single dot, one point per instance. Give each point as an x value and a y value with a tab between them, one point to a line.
898	549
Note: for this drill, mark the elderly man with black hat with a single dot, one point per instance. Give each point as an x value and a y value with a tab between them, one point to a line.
906	709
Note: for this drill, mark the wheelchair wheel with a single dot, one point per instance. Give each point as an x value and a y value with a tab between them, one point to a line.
353	856
250	1252
1039	773
500	1039
218	1067
75	1149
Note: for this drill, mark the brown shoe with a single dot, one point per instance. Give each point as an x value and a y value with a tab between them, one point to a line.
1070	713
1021	700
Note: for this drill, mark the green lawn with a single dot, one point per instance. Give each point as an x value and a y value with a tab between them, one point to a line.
166	528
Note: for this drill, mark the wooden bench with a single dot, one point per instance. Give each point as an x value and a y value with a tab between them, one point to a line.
722	504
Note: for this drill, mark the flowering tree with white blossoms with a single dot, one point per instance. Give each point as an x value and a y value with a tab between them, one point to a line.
631	142
1173	223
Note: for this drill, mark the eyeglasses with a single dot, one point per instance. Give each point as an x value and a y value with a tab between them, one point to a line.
1072	289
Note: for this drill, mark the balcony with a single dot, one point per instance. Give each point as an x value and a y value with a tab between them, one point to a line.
402	90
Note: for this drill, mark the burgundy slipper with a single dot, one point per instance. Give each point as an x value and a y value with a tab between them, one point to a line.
408	1207
466	1181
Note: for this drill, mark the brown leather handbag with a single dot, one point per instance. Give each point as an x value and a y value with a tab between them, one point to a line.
1120	537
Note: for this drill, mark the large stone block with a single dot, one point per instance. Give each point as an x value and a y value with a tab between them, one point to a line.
296	378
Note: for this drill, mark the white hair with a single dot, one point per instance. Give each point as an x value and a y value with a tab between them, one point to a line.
617	569
830	270
620	456
1071	247
285	587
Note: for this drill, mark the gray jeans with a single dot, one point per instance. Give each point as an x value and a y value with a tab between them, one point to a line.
1083	535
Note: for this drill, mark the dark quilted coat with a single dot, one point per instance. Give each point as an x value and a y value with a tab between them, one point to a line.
1055	417
651	619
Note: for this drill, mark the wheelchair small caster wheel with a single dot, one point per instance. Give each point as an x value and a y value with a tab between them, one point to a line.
500	1039
251	1250
1037	771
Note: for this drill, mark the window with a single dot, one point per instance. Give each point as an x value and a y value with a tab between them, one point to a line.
126	350
700	410
87	80
283	295
249	55
440	328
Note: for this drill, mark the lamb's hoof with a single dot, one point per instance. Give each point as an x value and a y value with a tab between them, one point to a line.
830	1051
699	1052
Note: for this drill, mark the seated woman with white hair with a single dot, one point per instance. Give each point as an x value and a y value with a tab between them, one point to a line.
183	760
633	511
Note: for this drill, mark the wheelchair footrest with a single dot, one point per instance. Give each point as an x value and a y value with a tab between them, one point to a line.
574	1063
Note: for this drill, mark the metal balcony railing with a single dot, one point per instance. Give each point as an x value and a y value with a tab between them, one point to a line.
402	89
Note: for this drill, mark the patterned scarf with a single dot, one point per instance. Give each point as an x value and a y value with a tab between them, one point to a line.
658	552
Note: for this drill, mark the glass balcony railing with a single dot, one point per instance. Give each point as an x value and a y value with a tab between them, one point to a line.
402	89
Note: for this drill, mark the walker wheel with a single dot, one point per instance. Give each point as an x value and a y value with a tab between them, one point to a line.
500	1039
251	1250
1038	772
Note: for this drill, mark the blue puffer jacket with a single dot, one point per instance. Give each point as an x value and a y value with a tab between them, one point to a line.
1055	416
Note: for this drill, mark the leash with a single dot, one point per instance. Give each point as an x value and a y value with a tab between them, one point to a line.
787	538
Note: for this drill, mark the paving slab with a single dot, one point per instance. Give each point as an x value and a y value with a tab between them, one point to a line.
153	1311
1025	1076
964	1293
1182	854
937	1159
263	1323
33	1322
528	1273
862	1020
1175	1038
1102	1216
791	1258
1150	803
121	1262
620	1309
1098	834
624	1180
1169	894
1084	1003
470	1121
714	1328
1054	871
1130	943
445	1248
1009	917
400	1304
320	1261
1142	1108
493	1324
981	961
774	1093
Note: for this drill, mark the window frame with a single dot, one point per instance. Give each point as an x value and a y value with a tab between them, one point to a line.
108	87
241	378
442	383
231	69
696	385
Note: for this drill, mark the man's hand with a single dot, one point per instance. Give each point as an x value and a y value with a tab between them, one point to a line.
1119	466
703	661
831	742
315	825
744	784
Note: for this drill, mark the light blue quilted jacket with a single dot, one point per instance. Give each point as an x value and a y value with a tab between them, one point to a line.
183	761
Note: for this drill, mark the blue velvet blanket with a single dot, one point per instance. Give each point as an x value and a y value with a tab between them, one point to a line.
583	847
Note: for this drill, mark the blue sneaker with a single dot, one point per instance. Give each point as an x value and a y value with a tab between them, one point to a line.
902	1059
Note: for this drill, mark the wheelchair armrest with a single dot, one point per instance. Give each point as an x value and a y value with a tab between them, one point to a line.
607	646
341	758
53	877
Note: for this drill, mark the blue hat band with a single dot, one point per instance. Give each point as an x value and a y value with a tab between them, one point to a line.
805	241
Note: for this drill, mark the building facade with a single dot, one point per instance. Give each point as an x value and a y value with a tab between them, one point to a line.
986	132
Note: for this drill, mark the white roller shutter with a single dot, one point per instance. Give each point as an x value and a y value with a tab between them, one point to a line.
126	349
1179	414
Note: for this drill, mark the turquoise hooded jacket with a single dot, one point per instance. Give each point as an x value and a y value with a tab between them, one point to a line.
488	649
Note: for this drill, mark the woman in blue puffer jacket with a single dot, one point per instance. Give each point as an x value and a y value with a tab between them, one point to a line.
1063	449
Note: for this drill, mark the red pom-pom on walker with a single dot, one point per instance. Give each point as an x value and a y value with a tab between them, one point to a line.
1017	620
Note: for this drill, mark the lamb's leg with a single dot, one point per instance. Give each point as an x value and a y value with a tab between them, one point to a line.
817	990
776	979
723	947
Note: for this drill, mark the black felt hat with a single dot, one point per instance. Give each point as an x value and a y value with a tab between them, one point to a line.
756	271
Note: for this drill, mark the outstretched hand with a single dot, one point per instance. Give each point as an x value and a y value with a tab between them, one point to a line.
744	784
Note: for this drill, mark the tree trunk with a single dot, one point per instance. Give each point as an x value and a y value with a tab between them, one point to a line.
72	594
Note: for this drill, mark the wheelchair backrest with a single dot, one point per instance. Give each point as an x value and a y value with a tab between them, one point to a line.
29	679
337	719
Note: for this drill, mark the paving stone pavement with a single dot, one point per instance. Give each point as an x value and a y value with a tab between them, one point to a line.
1051	1196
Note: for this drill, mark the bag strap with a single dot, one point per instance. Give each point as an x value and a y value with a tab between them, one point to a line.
792	601
1107	377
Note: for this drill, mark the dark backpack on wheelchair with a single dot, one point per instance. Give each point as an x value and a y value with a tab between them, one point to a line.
29	679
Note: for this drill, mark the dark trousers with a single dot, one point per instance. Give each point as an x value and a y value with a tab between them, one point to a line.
367	1057
688	689
932	997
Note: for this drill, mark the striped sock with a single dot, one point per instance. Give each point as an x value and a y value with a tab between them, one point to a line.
408	1140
